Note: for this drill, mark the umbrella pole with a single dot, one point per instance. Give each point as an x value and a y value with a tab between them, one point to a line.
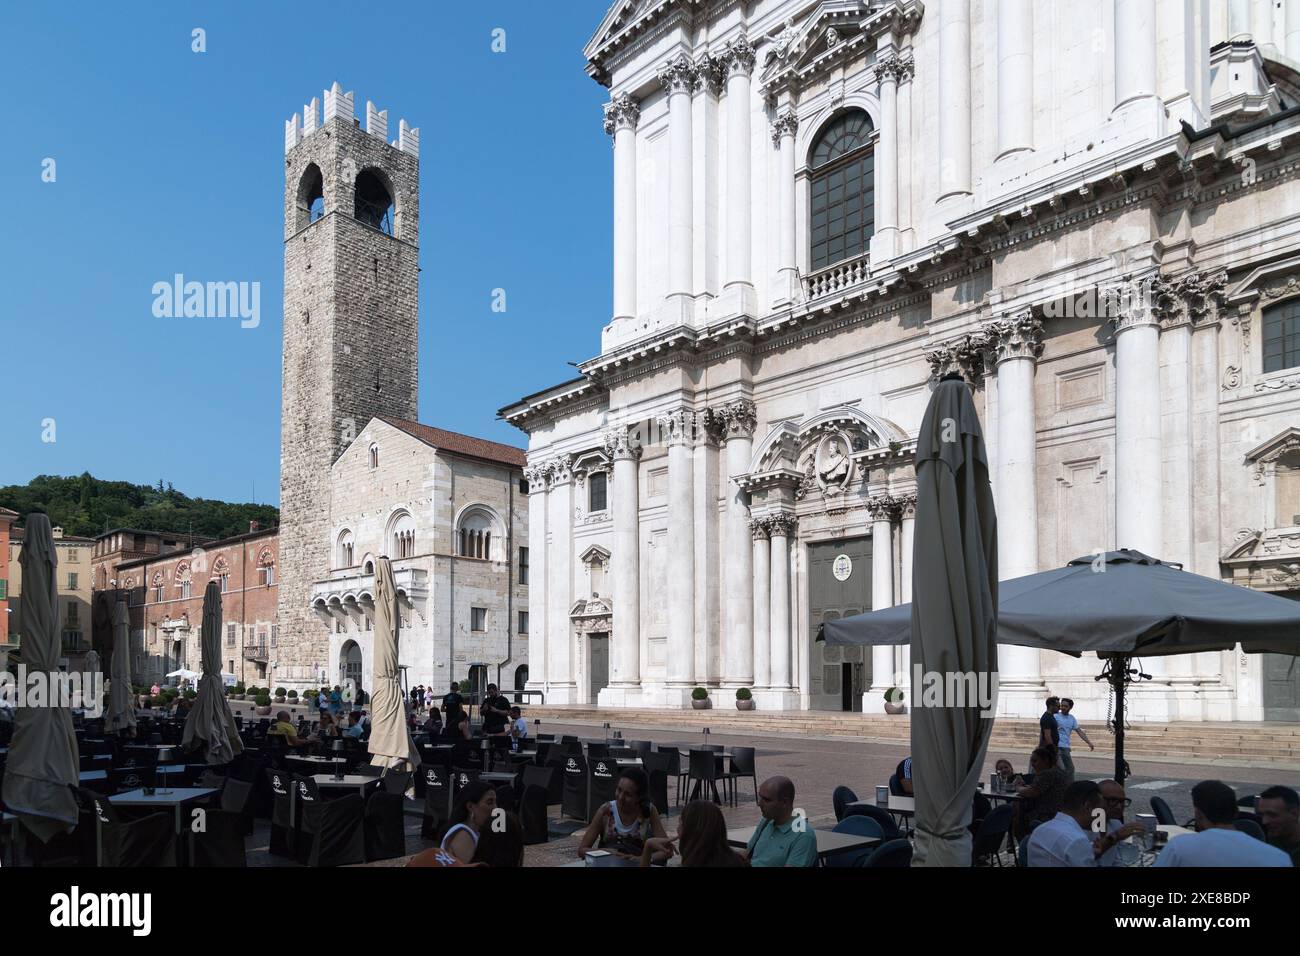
1119	677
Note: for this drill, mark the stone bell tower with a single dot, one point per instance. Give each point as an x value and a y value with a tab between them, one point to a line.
351	282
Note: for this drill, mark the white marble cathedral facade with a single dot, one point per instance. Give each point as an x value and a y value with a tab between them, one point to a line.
1089	209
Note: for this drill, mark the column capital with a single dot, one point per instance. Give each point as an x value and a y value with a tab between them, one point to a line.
967	354
737	419
679	75
712	71
907	506
785	124
758	529
882	507
537	476
1016	335
621	112
1137	302
681	425
738	56
1196	298
892	68
781	524
620	444
559	471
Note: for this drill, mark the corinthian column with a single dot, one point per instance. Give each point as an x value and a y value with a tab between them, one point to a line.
626	560
954	98
884	244
783	130
1135	50
882	508
680	428
780	528
538	672
680	78
621	116
762	603
738	421
1015	342
904	147
739	58
559	585
906	541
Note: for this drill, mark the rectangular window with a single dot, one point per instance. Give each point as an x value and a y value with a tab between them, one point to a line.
72	611
1282	336
268	575
157	594
523	565
225	583
596	491
72	580
185	589
478	619
275	634
230	635
74	555
4	590
523	622
523	486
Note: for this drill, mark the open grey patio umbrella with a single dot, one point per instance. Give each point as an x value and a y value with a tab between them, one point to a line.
209	723
43	761
954	620
121	702
1121	605
391	744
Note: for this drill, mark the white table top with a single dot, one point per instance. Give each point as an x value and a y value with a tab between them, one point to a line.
349	780
314	759
827	842
1172	830
173	796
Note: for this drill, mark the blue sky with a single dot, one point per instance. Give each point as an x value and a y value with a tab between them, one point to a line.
170	161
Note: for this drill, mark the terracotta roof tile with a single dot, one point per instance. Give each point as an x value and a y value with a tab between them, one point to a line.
460	444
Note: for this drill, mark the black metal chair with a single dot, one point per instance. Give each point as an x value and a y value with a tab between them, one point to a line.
532	814
744	764
437	801
220	841
1251	827
237	797
703	768
284	821
549	779
895	853
841	797
385	828
675	771
574	802
991	837
656	769
597	750
147	841
888	826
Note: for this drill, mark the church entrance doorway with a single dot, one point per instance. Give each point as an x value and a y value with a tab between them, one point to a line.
839	585
599	672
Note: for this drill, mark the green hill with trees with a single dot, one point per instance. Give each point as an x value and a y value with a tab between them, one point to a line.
87	506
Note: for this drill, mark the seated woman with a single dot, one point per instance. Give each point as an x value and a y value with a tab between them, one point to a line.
1040	800
328	729
1008	773
471	814
701	838
624	824
504	847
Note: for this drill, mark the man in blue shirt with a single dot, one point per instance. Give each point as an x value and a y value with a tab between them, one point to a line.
1067	724
781	839
1216	841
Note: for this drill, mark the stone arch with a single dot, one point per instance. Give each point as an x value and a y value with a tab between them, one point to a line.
309	203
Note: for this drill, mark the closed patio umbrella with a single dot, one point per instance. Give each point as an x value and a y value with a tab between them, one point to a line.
43	761
209	723
90	667
1121	604
954	620
121	702
390	739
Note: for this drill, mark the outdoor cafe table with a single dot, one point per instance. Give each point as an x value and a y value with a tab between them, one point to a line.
498	776
828	843
175	797
348	782
308	758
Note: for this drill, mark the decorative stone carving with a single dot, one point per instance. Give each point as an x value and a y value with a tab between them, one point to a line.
882	507
967	355
891	67
781	523
679	427
783	43
739	56
1278	384
560	471
712	70
737	418
1137	302
620	444
1287	289
622	112
907	505
833	467
1231	377
536	475
758	529
832	37
1017	335
679	75
786	124
1242	321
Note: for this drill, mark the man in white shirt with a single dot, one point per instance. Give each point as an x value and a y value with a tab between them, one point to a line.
1216	841
518	726
1068	839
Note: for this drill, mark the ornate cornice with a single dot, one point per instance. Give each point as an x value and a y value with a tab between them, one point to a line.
621	112
785	124
679	75
737	419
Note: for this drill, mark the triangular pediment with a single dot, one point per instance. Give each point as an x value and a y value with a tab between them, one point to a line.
1274	280
1277	446
798	43
620	16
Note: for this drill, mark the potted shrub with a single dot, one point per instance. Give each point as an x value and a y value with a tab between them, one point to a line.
700	699
263	705
280	693
239	690
293	697
894	701
744	699
191	694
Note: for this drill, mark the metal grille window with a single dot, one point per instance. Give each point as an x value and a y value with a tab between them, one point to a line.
842	191
1282	336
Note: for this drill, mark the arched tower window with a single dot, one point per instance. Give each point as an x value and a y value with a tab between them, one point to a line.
311	196
841	198
374	202
401	535
343	555
374	456
476	533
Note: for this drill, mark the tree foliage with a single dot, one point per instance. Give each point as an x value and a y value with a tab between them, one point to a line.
85	505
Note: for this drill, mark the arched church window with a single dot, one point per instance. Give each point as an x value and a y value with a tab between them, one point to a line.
345	550
374	456
401	535
842	190
474	536
374	202
1282	336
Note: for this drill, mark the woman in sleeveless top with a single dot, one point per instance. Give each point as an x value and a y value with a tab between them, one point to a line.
473	812
624	824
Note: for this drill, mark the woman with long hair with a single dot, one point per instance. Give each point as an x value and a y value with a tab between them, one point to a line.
504	845
701	838
471	814
626	822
